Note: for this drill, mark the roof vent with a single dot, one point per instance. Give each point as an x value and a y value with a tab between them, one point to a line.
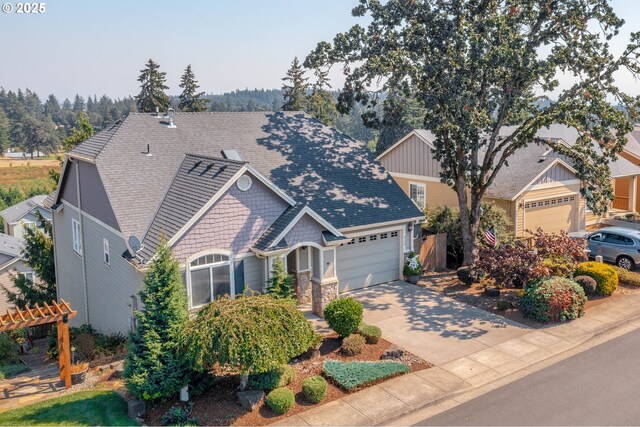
158	116
544	155
170	114
148	151
231	154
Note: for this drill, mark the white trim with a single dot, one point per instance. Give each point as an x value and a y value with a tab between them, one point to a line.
270	184
334	242
345	230
230	263
558	160
93	218
106	251
403	139
208	252
63	170
555	184
308	211
418	177
424	193
76	236
11	262
82	158
557	196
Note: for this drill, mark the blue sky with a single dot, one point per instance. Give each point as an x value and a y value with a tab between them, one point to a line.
99	46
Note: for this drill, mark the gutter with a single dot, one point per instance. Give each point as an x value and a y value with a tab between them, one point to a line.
416	220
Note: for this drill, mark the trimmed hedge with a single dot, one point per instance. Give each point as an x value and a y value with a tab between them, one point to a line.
352	375
314	389
269	380
352	345
555	299
605	276
371	334
280	400
627	277
343	315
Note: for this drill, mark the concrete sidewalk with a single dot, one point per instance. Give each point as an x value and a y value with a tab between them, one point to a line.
470	348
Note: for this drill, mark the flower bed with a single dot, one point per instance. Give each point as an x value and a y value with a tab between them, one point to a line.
219	406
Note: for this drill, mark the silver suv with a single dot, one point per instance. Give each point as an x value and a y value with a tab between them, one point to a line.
618	245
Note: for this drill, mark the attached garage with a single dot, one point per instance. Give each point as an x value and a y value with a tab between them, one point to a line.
368	260
552	214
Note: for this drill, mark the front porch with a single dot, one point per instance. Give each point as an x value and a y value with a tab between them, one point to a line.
626	192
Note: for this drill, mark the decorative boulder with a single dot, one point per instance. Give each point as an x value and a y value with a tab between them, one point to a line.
251	399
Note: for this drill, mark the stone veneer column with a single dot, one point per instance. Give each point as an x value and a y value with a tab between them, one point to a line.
322	294
303	287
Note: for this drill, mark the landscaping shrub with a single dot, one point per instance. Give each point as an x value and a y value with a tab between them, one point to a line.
588	284
554	299
503	304
467	275
627	277
352	345
314	389
280	400
8	350
351	375
412	266
343	315
8	371
275	378
281	284
179	415
371	334
605	276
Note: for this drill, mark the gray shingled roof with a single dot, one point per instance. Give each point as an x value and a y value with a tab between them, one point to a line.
266	241
15	212
315	164
198	179
93	146
10	245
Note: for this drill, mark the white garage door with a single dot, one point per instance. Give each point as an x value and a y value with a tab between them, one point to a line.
368	260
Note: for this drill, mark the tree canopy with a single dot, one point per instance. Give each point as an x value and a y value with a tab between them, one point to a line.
295	88
476	66
82	132
152	87
190	99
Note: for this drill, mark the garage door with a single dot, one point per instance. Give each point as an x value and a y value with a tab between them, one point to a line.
368	260
552	215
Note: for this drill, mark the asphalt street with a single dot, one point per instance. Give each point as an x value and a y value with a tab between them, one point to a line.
600	386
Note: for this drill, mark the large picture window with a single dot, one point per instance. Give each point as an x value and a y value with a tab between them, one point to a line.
210	278
417	193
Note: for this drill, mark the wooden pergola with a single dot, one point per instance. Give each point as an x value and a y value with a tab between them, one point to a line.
58	313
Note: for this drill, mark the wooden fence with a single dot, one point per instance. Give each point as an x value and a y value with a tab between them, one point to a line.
432	250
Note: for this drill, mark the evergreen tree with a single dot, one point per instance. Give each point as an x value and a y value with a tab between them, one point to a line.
78	104
295	88
154	367
52	109
39	135
321	104
82	132
190	99
37	254
280	284
5	129
152	87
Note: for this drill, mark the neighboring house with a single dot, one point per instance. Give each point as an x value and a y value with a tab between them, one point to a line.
538	188
22	215
229	193
11	263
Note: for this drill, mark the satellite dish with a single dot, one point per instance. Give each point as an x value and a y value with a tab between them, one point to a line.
134	244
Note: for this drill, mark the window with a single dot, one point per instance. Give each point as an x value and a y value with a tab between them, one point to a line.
210	278
394	234
362	239
77	240
373	237
30	276
417	193
105	249
383	235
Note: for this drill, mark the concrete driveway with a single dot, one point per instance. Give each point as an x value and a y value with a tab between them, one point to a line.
432	326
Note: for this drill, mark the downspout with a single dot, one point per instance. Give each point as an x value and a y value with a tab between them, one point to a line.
55	253
82	243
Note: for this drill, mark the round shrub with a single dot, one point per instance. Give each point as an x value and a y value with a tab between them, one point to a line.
269	380
280	400
8	350
588	284
467	275
352	345
314	389
371	334
605	276
503	304
343	315
554	299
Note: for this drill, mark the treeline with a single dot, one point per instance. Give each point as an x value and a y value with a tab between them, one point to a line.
30	125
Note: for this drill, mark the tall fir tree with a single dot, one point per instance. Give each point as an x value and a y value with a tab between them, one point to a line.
78	104
321	104
152	87
37	254
82	132
190	99
154	367
5	130
295	88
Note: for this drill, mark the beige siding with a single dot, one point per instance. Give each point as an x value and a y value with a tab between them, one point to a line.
5	281
412	157
437	193
507	205
541	194
557	173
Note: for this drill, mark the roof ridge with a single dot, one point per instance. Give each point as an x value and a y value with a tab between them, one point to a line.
240	162
117	124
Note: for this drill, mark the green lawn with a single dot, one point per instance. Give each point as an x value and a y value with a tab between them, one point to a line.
84	408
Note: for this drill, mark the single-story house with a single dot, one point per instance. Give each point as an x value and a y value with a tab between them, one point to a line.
229	193
11	263
538	187
22	215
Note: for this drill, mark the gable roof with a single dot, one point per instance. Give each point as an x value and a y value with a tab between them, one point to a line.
16	212
425	136
315	164
11	246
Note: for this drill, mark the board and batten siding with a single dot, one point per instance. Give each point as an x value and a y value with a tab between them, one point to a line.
557	173
412	157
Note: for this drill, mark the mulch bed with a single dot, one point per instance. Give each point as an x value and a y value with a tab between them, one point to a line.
448	284
219	406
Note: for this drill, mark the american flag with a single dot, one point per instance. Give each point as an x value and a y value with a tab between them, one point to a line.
490	235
